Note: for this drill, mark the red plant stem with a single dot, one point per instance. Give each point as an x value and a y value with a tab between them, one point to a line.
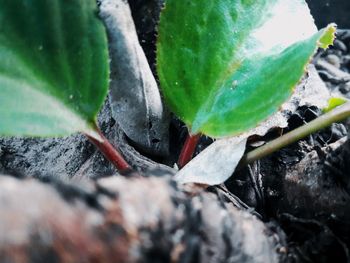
110	152
188	149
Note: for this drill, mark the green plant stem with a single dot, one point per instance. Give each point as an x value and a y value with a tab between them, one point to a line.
188	149
338	114
110	152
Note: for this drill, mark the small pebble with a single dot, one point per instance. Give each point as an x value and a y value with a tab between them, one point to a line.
334	60
346	60
344	35
340	45
283	250
345	88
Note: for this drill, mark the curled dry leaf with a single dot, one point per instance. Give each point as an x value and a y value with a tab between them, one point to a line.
134	95
215	164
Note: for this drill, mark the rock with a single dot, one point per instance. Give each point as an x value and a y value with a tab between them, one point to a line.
340	46
334	60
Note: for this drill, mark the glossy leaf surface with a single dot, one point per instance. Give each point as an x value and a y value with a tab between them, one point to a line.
53	67
226	65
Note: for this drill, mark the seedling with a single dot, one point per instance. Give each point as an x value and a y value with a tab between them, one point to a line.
226	65
53	70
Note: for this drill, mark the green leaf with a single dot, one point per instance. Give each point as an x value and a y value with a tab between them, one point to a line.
333	103
53	67
226	65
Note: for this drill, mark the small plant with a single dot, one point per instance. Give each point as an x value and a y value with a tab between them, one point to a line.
53	70
224	65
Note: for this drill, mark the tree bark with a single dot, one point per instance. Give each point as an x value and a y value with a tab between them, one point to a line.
127	220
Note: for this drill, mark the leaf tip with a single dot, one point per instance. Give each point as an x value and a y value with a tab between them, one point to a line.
333	103
328	36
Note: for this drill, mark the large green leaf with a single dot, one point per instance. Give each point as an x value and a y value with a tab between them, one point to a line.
226	65
53	67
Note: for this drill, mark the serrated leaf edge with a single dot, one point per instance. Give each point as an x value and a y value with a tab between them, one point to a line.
326	39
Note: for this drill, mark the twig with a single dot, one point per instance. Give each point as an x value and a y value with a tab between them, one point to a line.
338	114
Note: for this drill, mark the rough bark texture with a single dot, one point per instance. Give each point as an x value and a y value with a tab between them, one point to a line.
125	220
